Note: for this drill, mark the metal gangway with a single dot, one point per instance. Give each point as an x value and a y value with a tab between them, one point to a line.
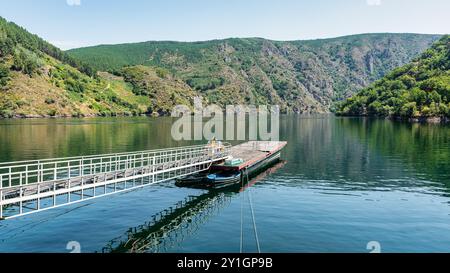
31	186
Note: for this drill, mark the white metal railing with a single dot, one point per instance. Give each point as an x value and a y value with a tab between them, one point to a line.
28	184
28	172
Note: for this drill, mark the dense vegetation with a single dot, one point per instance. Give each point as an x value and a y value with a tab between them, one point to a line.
37	79
300	76
31	48
419	89
163	90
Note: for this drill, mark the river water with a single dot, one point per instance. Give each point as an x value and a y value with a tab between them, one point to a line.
343	183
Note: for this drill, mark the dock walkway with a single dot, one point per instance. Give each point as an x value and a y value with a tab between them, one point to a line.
31	186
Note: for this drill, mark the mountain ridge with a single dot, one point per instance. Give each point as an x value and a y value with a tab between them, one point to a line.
256	38
39	80
301	76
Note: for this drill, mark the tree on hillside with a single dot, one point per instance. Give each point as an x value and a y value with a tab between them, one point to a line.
4	75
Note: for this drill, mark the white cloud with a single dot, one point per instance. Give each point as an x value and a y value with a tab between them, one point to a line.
374	2
73	2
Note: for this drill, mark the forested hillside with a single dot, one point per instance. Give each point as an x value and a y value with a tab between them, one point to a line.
39	80
420	89
301	76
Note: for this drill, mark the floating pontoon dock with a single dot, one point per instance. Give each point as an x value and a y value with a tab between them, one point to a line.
252	153
31	186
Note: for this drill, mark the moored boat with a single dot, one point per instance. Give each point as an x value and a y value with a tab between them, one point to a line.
223	179
196	179
245	161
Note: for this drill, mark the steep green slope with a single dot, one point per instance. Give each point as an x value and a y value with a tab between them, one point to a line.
16	41
302	76
39	80
420	89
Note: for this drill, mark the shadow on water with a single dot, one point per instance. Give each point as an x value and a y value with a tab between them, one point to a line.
172	226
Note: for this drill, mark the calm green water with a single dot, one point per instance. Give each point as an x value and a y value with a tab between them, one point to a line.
344	183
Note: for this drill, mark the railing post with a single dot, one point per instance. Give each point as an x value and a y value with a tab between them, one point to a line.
39	199
20	203
26	175
55	175
10	182
54	193
81	166
68	193
41	166
1	204
153	165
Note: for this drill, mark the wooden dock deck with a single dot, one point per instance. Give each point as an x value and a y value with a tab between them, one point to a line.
251	153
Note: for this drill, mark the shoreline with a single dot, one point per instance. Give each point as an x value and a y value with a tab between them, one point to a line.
421	120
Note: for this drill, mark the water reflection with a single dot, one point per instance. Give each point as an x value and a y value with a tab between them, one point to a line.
347	153
170	227
363	154
46	138
346	181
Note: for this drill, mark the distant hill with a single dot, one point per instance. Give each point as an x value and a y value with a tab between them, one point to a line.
302	76
420	89
39	80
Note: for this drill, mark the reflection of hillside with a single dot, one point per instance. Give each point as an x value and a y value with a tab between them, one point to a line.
32	139
359	154
321	149
421	147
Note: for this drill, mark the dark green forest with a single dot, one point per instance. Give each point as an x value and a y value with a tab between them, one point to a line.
418	89
38	79
31	47
300	76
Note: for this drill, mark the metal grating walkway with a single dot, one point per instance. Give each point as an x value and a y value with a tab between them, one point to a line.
31	186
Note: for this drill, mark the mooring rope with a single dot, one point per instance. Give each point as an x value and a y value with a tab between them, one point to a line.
253	215
242	216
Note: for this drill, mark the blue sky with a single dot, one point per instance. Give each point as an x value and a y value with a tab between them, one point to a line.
77	23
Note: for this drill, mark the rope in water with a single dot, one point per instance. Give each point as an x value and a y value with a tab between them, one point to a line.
242	216
253	215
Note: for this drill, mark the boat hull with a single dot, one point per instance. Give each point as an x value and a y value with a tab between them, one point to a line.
253	170
257	168
201	180
225	182
192	180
